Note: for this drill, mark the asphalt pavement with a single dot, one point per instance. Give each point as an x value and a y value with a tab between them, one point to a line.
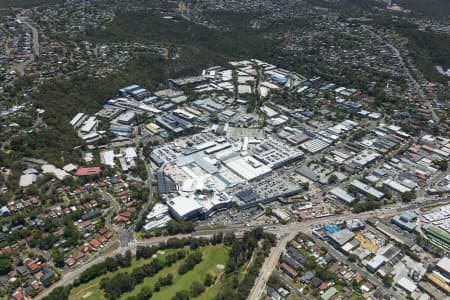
287	232
21	67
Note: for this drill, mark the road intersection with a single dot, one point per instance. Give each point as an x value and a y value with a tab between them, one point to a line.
284	232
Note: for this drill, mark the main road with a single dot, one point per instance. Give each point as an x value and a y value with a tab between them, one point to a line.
285	231
20	68
150	177
268	266
35	33
71	276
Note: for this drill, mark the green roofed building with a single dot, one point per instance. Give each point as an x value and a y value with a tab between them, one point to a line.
438	236
329	293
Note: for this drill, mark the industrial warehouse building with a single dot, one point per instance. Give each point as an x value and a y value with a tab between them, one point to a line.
342	195
406	221
88	125
341	237
126	118
173	123
135	91
367	190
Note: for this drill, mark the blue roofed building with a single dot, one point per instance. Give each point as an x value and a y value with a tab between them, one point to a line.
406	221
333	228
173	123
279	79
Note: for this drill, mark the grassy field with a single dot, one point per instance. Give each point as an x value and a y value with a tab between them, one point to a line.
211	292
91	290
150	281
213	260
214	257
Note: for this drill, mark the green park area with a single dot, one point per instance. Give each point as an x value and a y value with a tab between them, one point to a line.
214	258
92	291
223	267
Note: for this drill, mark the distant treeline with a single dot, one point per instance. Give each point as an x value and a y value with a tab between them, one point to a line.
26	3
427	48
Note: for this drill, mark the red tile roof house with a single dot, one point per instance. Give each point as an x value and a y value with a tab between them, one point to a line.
95	243
288	270
87	249
80	256
130	204
124	217
108	234
88	171
70	262
295	244
323	286
102	239
17	295
34	266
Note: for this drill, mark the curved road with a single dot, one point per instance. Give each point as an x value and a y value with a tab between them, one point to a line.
417	87
115	208
22	66
35	35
